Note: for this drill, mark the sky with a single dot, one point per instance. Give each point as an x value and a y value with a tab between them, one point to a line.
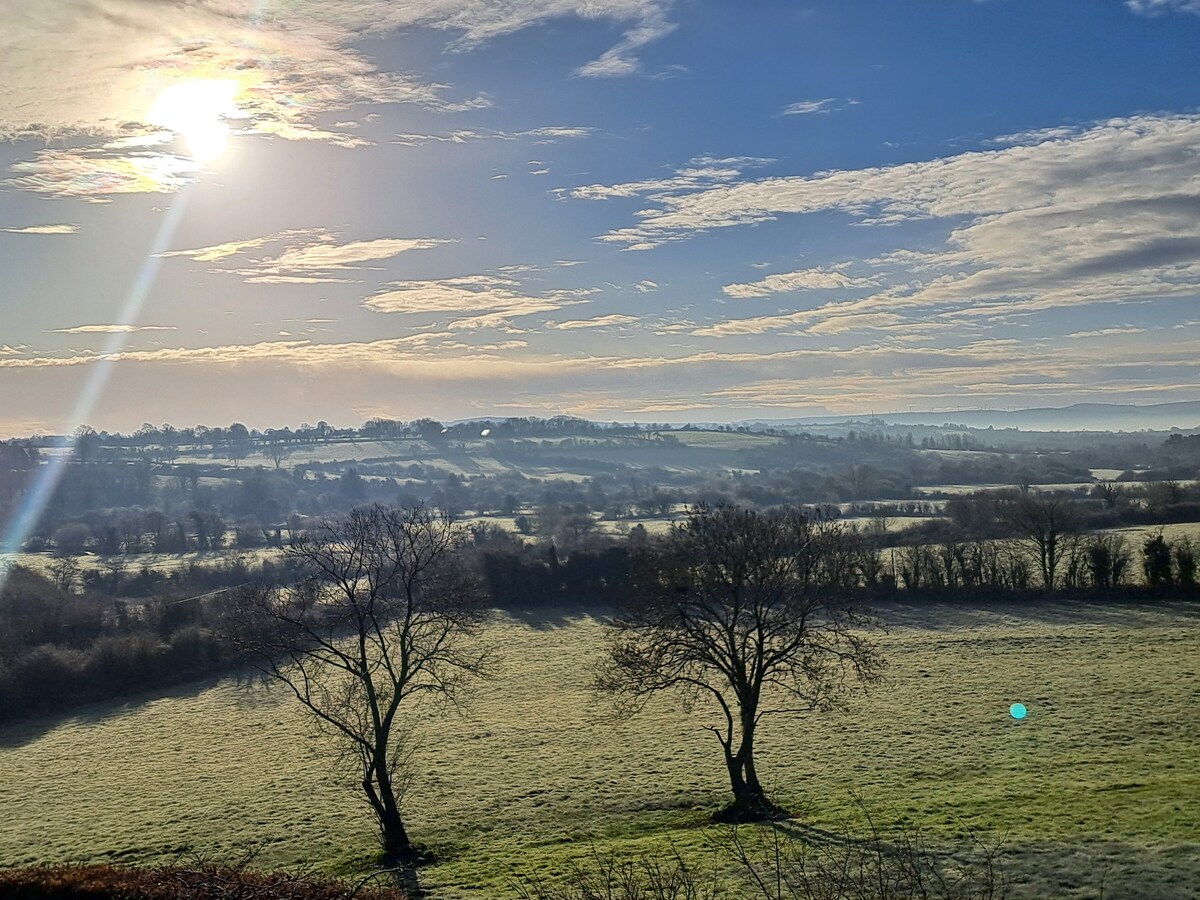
285	211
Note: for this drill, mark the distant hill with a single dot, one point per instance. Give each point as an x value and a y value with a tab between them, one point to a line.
1077	417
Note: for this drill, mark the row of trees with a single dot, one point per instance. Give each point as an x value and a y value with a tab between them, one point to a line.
1081	562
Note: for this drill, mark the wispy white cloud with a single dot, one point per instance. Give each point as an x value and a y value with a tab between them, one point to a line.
327	255
292	67
622	59
484	376
312	256
233	248
1102	214
545	135
808	107
1128	160
596	322
96	174
701	172
482	301
1107	332
1157	7
43	229
111	329
824	279
646	287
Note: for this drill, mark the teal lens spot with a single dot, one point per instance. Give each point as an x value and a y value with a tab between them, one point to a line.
1018	711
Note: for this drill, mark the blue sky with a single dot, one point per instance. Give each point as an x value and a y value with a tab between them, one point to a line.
273	211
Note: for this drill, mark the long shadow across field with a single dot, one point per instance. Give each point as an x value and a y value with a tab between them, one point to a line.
25	731
940	613
560	615
1088	868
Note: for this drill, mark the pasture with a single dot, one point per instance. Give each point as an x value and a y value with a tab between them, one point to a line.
1100	782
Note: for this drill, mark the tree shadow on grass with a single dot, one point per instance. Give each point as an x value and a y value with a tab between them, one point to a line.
559	615
1091	868
1118	612
20	732
1082	869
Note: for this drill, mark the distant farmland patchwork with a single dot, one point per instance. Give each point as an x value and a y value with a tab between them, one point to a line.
1100	782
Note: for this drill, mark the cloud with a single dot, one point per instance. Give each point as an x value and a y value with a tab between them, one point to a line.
1108	213
700	173
545	135
492	301
96	174
1120	160
1106	332
816	107
621	60
313	256
597	322
233	248
293	66
327	255
646	287
296	374
111	329
808	107
802	280
43	229
1157	7
851	323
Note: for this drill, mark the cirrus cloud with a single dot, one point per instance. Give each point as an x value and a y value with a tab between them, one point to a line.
43	229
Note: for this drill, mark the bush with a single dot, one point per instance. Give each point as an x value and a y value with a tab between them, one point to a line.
123	663
203	882
43	679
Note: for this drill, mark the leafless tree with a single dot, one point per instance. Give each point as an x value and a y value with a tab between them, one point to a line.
278	452
751	612
1046	525
385	619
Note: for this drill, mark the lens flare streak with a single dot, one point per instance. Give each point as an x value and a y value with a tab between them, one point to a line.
29	512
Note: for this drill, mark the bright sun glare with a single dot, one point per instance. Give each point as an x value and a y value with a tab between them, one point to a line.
197	112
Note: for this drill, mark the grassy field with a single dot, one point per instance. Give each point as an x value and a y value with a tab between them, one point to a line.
131	563
1100	782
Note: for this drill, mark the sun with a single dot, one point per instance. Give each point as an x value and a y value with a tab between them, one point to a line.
197	111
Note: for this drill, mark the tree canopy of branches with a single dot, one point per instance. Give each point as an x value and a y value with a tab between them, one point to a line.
751	611
384	618
1045	524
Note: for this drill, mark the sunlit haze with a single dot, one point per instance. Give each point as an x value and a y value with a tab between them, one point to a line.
197	111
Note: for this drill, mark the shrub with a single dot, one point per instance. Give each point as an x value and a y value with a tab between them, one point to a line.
204	882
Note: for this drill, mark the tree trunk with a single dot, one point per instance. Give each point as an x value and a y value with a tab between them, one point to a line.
393	837
750	801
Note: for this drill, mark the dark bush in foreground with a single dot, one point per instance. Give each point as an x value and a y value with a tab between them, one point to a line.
177	883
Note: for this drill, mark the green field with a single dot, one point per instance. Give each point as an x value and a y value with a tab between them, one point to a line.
1101	781
131	563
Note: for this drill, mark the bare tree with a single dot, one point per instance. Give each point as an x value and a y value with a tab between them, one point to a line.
1107	560
385	619
278	452
749	611
1045	525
